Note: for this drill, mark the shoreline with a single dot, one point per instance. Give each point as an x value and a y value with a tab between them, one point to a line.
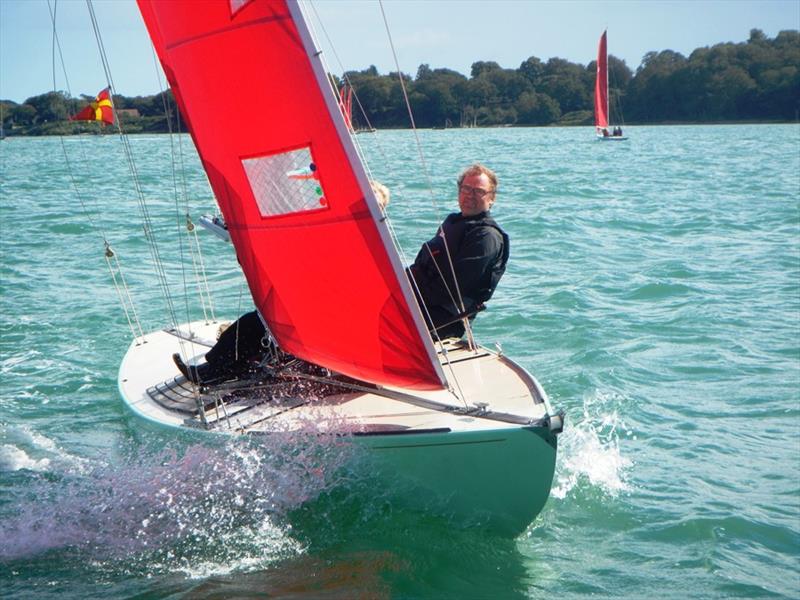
9	134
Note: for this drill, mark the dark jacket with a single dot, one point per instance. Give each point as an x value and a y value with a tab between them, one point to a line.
479	253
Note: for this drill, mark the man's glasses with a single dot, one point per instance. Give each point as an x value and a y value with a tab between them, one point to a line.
479	193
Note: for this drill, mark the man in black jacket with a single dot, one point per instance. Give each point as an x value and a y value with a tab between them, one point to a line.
469	245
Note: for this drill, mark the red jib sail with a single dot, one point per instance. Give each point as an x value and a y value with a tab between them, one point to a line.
306	227
601	86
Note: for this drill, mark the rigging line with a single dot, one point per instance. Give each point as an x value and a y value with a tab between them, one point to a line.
376	139
176	196
334	91
181	342
339	62
614	100
120	296
200	275
356	143
423	162
425	170
438	340
424	307
73	179
198	266
393	233
388	166
200	271
198	262
359	149
147	226
109	253
128	293
126	301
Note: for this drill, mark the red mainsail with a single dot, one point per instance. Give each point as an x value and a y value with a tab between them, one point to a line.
307	230
601	86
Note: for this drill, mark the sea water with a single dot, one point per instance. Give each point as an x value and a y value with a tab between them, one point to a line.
653	288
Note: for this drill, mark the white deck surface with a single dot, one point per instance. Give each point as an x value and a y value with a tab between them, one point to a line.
475	377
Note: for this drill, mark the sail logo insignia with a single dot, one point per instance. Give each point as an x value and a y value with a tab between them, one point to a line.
285	183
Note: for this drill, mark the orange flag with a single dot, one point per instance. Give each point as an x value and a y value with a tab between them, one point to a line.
99	110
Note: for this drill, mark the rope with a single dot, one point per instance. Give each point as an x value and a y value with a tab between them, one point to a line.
182	216
179	191
167	114
115	267
143	208
423	162
200	273
393	234
459	303
132	323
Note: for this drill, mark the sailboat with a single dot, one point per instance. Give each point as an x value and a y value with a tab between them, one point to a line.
346	94
601	105
346	105
464	426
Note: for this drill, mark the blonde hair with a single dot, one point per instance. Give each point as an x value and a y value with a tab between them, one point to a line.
479	169
381	192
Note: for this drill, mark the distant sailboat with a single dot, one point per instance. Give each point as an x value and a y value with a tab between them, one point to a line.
601	105
457	421
346	94
346	104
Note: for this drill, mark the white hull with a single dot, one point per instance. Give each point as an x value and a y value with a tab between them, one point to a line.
488	457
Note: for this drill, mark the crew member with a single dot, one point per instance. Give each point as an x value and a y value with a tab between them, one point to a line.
469	245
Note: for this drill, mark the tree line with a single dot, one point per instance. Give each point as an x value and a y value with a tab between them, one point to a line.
756	80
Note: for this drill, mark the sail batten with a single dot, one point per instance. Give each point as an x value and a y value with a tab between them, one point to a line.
319	263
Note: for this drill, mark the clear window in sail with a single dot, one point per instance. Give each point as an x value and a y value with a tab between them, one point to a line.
285	183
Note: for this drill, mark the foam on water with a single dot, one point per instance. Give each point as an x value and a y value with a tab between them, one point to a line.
29	449
14	459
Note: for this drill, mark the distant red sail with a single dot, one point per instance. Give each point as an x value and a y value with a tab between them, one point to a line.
346	104
601	86
99	110
319	262
349	106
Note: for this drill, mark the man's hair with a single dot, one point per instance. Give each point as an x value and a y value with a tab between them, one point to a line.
477	169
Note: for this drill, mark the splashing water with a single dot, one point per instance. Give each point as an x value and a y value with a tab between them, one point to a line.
200	509
590	449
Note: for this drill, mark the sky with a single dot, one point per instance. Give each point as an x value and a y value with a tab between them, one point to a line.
442	33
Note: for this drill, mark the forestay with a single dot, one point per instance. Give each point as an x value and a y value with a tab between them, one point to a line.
307	230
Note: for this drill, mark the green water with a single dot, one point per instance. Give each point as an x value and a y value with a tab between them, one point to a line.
653	288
